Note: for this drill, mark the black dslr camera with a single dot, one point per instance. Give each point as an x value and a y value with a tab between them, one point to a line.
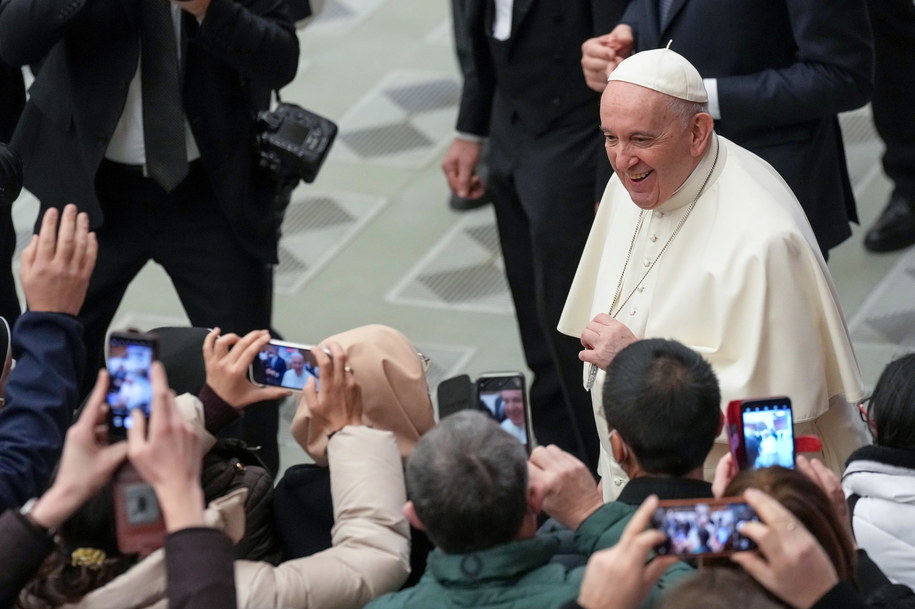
293	142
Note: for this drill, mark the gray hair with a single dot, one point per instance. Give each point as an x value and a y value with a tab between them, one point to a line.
683	110
467	479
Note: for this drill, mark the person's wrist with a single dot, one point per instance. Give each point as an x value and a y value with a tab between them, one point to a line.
582	513
182	506
54	507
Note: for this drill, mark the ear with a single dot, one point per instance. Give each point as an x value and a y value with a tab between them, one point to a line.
410	512
720	424
618	448
702	127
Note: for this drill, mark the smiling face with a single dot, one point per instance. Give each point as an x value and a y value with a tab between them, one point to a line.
513	402
650	146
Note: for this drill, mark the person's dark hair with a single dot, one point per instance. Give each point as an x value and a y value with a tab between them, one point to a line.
809	504
59	582
467	479
663	399
720	588
892	406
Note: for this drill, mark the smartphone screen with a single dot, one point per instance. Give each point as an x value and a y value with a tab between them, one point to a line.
283	364
503	396
130	356
702	527
768	432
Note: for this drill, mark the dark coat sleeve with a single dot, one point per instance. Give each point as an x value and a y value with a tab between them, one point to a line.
199	569
41	394
833	71
22	550
257	38
476	66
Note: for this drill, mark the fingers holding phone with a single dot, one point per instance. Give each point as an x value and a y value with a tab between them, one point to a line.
229	359
339	402
87	462
168	457
785	550
619	578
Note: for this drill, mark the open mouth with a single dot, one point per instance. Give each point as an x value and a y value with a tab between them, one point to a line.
639	177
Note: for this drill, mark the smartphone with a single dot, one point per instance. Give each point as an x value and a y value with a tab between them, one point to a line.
761	432
138	518
503	396
130	356
454	394
702	527
284	364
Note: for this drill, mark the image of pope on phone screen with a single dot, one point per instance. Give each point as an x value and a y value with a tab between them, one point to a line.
129	385
502	395
282	364
768	434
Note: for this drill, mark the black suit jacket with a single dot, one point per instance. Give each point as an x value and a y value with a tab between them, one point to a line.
540	77
241	50
785	69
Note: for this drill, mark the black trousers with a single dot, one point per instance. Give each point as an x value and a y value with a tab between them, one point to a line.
893	103
218	282
543	192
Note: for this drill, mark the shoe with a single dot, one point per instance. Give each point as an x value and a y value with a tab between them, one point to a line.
895	228
464	204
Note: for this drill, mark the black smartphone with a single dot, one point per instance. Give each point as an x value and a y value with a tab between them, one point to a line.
454	394
702	527
130	356
138	519
768	432
284	364
504	397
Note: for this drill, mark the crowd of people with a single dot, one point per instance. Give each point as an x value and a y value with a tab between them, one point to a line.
700	279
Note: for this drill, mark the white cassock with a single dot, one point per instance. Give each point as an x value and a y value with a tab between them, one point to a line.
743	283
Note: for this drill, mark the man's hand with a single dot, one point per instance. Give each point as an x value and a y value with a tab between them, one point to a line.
56	265
568	490
198	8
789	563
724	473
602	339
601	55
169	457
459	166
827	480
87	462
339	402
619	578
227	359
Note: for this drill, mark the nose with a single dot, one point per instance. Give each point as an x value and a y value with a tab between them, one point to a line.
621	157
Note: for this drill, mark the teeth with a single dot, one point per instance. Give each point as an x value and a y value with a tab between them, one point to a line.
639	176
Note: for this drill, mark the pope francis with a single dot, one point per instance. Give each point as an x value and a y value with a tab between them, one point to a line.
699	240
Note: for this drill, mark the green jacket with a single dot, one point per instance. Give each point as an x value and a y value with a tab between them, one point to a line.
518	575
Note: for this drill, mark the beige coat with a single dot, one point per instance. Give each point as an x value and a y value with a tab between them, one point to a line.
371	541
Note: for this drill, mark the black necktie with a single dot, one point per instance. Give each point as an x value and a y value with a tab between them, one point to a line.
163	117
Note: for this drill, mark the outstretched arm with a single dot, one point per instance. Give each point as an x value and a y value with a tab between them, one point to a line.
42	391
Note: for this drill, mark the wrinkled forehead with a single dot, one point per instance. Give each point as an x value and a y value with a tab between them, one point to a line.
627	103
